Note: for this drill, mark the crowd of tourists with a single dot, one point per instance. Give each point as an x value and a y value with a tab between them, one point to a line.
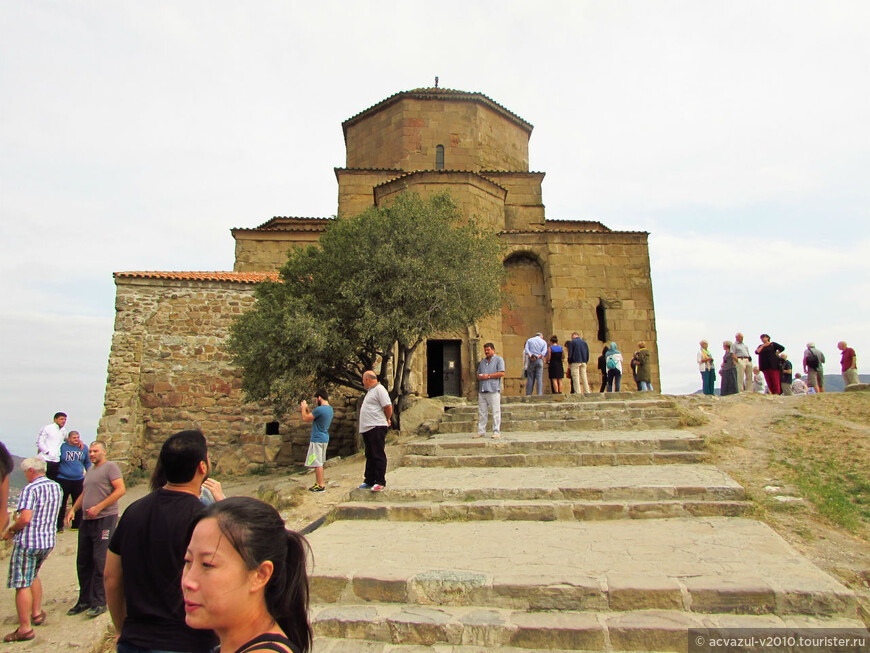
771	371
538	354
183	569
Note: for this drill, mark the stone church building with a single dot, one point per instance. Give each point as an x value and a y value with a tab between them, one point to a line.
168	370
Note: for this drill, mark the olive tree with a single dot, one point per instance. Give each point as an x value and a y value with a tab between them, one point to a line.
367	294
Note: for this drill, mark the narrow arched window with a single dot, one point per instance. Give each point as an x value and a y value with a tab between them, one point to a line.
439	157
601	314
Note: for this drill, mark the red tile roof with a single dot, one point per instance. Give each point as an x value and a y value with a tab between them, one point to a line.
281	223
234	277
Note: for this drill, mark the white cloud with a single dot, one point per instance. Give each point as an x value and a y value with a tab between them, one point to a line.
135	137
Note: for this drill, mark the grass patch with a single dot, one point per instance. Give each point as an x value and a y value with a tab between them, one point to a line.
829	463
691	417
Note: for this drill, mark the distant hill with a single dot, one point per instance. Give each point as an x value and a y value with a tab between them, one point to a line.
17	479
834	382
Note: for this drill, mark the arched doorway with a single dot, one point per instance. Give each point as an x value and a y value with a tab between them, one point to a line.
527	313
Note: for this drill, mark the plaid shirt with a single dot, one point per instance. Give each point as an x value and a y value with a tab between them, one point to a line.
43	498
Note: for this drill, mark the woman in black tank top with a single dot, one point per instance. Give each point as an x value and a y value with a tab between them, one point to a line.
245	578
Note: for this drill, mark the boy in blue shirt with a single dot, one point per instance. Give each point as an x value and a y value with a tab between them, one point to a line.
320	418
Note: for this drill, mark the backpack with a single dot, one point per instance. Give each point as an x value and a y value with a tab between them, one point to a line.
812	359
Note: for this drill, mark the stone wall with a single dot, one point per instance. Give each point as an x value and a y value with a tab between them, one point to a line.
356	188
474	195
168	371
406	133
265	250
556	279
582	269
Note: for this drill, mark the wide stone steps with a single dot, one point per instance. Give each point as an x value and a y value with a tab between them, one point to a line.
612	483
595	422
587	447
703	565
569	415
401	628
556	459
540	510
590	525
518	406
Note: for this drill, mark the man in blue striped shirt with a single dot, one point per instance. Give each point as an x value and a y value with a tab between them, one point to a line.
35	534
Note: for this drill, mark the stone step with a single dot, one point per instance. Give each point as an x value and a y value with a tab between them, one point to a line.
557	459
539	510
575	442
398	628
704	565
519	406
612	483
541	413
569	414
590	423
592	397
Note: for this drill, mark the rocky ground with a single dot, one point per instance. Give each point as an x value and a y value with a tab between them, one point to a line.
746	435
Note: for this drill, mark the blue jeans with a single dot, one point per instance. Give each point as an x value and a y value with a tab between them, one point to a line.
614	380
645	386
535	374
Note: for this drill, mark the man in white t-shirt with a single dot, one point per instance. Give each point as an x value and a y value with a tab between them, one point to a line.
374	420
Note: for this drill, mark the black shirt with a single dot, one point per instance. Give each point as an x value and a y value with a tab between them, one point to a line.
151	539
768	358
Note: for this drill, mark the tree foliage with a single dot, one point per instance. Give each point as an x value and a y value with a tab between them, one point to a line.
371	290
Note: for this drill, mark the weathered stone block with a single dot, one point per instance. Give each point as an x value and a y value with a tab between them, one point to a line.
637	592
384	589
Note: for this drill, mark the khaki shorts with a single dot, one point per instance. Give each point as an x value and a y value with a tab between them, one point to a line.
316	454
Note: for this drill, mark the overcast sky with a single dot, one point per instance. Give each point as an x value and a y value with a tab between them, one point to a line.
134	135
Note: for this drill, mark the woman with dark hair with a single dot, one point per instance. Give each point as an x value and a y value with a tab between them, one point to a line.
6	467
770	363
555	368
245	578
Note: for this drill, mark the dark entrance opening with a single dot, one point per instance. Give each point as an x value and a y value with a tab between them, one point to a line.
443	367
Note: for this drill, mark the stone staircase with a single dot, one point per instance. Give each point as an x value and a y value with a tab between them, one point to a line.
558	540
561	413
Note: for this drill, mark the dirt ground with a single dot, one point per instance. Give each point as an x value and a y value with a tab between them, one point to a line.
742	439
